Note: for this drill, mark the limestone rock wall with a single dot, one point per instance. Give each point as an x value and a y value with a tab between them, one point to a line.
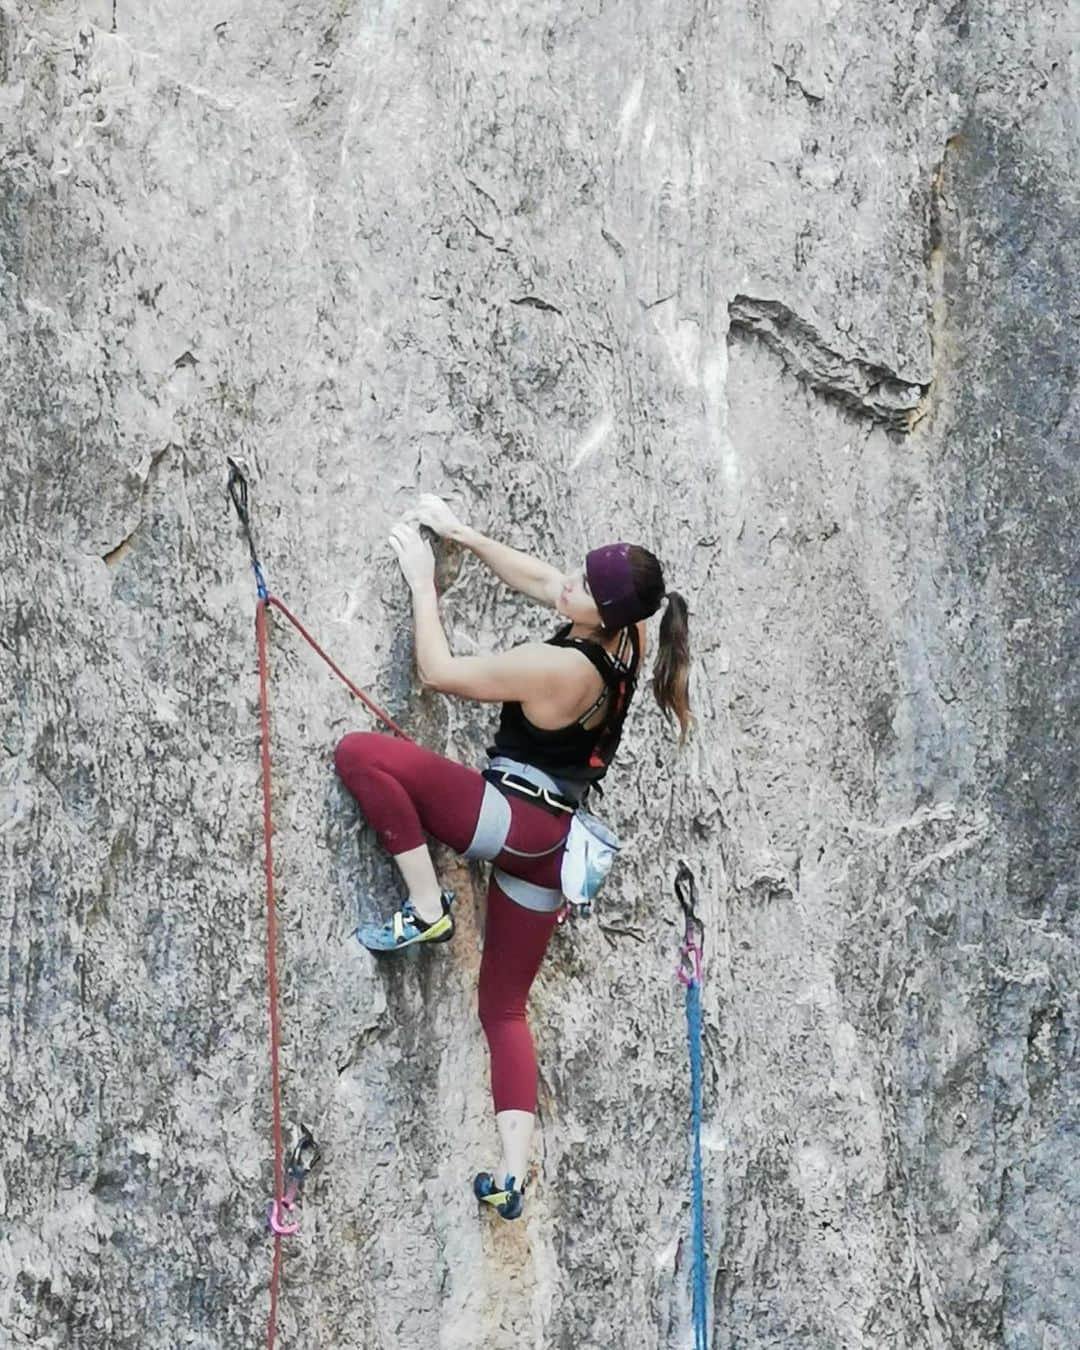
785	291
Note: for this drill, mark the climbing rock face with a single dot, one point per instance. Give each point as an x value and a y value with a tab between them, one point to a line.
785	292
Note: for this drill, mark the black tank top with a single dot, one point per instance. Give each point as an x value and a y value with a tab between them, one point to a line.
577	753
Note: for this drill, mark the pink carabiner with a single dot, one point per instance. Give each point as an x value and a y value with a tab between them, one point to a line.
689	968
274	1219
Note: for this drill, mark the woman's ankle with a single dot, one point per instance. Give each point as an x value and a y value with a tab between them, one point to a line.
515	1135
429	908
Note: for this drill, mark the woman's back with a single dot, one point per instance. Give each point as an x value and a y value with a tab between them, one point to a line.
579	751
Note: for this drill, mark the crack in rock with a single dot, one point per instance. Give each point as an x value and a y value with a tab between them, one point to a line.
534	302
870	390
796	86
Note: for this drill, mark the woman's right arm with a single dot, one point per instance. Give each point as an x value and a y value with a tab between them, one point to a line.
531	576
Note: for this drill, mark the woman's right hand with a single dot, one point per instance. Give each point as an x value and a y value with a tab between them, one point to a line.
433	512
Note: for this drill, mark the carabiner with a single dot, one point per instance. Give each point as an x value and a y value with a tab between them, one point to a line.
691	953
686	891
237	489
275	1222
304	1158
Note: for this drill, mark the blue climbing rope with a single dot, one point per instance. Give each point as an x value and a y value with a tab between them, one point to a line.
693	1023
690	972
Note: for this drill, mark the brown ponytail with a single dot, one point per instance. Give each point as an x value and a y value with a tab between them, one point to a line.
671	673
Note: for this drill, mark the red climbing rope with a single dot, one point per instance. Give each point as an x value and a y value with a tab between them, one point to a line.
374	707
304	1157
281	1203
271	958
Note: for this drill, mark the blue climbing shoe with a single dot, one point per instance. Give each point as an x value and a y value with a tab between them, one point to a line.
406	928
505	1200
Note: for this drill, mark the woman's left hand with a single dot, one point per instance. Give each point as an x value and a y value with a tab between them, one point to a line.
413	553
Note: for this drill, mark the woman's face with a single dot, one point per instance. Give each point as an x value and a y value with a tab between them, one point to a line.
575	601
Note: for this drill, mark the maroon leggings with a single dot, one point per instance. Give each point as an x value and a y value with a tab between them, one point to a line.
403	791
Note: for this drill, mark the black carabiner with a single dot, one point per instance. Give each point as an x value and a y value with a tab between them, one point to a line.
304	1157
237	489
686	894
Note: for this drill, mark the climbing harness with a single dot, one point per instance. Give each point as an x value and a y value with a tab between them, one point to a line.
589	848
305	1155
690	973
505	778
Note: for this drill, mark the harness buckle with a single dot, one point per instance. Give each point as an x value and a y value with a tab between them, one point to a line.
527	789
556	803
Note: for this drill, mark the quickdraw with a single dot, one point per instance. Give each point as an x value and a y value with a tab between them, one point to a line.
303	1160
691	953
238	491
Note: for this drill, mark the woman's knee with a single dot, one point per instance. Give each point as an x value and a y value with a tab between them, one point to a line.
357	751
486	1008
488	1012
506	1032
496	1006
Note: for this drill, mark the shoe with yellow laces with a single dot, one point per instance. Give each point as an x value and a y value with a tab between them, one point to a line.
507	1200
406	928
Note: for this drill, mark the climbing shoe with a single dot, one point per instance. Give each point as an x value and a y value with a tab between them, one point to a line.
406	928
504	1200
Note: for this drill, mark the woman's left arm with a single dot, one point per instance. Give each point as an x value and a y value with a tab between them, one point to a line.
523	672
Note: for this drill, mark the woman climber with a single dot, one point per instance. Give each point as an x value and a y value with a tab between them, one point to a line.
564	704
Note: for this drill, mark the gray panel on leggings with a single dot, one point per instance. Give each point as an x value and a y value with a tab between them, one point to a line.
492	825
543	899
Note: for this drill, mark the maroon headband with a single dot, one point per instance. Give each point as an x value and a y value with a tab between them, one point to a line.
611	582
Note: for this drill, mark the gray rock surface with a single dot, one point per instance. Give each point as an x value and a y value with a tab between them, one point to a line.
787	291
